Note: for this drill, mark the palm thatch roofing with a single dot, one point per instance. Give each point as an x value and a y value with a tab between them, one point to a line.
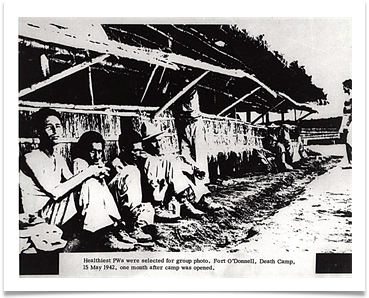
84	61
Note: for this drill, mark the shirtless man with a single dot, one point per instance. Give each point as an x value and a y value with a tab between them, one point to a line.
45	181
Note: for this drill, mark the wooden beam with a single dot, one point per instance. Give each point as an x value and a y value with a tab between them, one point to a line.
49	35
270	110
125	32
69	53
183	45
148	83
61	75
238	101
209	45
169	60
179	94
303	117
87	112
248	116
38	104
90	85
162	75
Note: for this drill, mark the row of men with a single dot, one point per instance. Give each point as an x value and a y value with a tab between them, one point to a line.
279	152
107	198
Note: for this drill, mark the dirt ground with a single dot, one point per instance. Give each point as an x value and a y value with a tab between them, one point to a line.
298	210
306	209
319	220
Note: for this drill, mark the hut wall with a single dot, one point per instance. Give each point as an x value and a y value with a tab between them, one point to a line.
109	123
230	145
229	142
75	124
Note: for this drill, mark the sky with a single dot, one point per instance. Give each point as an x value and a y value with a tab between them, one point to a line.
322	45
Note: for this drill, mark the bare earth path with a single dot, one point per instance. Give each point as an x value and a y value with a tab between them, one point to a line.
306	209
296	211
319	220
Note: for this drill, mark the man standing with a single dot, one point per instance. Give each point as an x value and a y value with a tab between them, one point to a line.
193	148
346	126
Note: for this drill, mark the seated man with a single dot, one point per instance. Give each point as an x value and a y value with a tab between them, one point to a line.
295	151
278	151
129	186
98	207
45	181
166	173
125	184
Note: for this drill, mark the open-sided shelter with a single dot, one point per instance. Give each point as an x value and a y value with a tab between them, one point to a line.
105	76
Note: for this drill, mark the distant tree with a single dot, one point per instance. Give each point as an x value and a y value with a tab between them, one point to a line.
270	66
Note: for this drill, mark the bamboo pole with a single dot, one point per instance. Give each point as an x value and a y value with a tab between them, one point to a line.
179	94
170	38
168	60
80	111
38	105
90	85
238	101
61	75
62	140
149	82
270	110
303	117
209	45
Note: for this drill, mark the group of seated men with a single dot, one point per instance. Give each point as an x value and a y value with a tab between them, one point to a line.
107	197
280	153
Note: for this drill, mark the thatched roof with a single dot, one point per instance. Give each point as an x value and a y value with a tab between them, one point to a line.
144	65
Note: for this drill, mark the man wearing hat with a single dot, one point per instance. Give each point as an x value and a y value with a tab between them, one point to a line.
128	185
165	174
274	145
193	148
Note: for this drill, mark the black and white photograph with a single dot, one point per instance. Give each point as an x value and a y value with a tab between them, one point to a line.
187	147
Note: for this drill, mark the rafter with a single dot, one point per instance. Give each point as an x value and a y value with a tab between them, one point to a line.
270	110
61	75
180	93
238	101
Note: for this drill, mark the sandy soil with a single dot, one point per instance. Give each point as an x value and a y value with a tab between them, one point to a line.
319	220
309	207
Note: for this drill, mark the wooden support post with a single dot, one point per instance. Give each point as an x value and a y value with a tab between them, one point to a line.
303	117
149	82
179	94
162	75
270	110
61	75
238	101
90	86
267	118
248	116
